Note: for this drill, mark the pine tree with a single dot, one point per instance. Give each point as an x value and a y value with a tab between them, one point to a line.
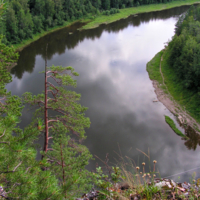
21	176
67	158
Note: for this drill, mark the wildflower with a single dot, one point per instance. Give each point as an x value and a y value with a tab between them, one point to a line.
154	175
140	172
137	168
143	167
144	175
154	165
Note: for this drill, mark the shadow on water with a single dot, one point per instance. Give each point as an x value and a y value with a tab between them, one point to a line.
60	40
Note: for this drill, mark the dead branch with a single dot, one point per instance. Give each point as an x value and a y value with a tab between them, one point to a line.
17	166
3	134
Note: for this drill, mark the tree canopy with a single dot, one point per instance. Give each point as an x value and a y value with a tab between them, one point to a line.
184	49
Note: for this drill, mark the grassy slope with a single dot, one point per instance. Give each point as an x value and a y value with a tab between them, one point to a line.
184	97
153	68
108	19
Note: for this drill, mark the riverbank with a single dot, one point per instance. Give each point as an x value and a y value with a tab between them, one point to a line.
103	19
126	12
166	91
25	43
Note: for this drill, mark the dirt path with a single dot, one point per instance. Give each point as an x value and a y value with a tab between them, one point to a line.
165	97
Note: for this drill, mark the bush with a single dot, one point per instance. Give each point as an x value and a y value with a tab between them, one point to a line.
111	12
107	12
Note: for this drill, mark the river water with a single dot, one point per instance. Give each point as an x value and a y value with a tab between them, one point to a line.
116	88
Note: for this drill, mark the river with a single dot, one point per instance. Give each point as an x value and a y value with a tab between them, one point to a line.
116	88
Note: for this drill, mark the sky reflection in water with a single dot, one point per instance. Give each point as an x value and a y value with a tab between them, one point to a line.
116	88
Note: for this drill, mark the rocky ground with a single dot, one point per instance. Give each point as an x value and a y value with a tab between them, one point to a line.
166	189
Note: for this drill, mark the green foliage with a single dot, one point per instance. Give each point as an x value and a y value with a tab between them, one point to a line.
3	8
67	158
101	179
149	191
107	183
111	12
21	176
181	62
173	126
7	57
184	50
185	97
27	17
153	68
61	173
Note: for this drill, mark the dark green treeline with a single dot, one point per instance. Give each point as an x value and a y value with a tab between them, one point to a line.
27	17
184	50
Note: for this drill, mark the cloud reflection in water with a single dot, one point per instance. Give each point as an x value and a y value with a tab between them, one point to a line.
116	88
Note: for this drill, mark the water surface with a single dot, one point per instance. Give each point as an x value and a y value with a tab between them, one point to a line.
115	86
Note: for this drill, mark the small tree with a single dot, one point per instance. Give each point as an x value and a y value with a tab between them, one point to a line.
64	126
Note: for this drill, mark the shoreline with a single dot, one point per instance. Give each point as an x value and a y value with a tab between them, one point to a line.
102	19
190	125
149	8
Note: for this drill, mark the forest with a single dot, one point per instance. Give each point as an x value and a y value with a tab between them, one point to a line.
23	18
184	50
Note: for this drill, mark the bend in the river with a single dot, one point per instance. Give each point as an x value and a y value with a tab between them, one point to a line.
115	86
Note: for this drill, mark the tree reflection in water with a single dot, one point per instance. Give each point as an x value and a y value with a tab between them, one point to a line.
194	138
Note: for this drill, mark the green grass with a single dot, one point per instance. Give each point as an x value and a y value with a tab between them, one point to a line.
124	13
187	99
173	126
184	97
153	68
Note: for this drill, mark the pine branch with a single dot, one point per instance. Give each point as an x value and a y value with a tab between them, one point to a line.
56	80
62	161
52	120
52	86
